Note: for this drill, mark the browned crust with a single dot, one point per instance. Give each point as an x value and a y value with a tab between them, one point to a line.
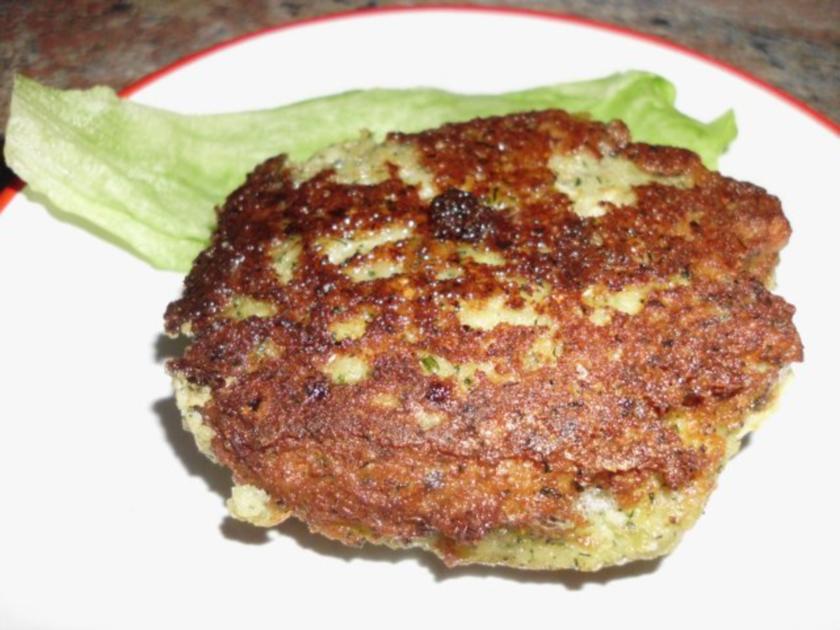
509	454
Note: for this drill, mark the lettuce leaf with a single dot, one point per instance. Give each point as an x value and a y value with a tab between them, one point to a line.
150	179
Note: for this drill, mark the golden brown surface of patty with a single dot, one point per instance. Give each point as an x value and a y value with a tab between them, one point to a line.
504	315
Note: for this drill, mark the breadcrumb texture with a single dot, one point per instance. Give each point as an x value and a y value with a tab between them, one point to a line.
522	340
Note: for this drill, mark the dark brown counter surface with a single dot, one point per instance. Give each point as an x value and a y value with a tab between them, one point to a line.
794	45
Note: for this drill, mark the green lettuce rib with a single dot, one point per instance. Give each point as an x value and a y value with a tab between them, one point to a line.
150	179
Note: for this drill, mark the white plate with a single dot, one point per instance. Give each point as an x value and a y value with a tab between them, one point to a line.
110	518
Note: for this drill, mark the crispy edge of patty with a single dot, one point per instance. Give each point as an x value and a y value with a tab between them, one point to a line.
654	530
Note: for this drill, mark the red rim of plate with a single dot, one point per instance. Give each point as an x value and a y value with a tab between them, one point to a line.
8	193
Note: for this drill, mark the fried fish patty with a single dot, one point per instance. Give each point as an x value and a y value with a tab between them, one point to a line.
521	340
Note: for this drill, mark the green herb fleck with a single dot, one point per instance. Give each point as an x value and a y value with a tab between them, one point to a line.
430	363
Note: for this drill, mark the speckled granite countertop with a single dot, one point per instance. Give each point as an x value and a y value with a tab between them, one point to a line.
792	44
